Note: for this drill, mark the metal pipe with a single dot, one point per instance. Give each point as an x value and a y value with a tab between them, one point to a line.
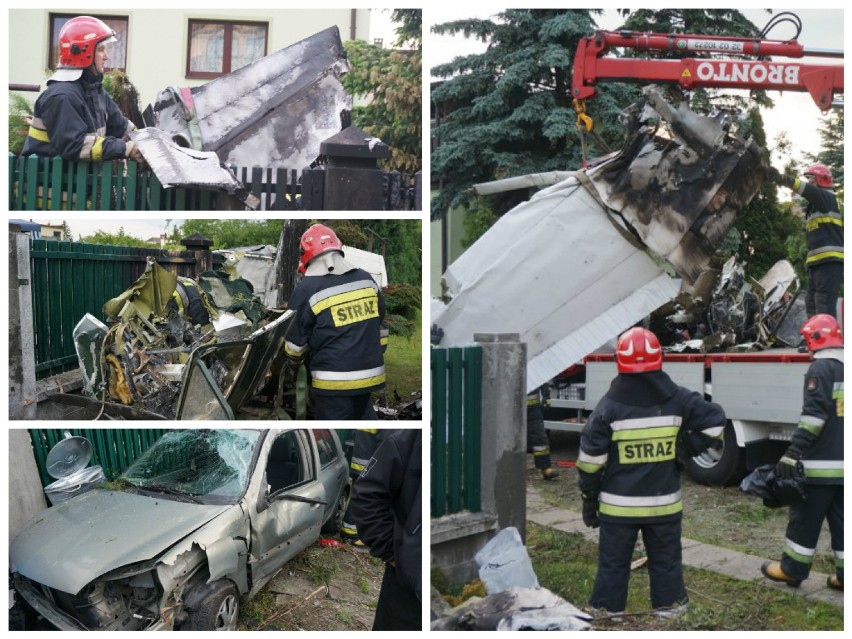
352	22
824	53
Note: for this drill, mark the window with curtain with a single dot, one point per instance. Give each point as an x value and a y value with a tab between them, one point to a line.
117	51
217	47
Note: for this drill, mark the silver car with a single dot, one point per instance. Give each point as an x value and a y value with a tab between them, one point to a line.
200	519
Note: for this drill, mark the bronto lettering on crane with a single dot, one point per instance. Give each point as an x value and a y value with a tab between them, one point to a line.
755	72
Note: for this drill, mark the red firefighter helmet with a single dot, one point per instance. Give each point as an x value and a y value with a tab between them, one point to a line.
78	39
318	239
822	331
638	351
822	175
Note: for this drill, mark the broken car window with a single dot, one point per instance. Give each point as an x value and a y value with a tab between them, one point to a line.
286	466
212	464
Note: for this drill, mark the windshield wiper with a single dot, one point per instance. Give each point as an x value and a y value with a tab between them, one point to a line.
169	490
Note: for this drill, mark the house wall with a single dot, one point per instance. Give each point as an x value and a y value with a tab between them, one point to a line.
157	40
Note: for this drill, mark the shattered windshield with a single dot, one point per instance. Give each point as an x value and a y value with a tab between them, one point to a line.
209	464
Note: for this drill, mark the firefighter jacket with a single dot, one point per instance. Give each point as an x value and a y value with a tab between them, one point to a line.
338	323
365	443
628	447
77	121
819	436
387	502
823	222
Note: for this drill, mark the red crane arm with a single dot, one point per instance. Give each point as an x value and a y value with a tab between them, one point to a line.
822	81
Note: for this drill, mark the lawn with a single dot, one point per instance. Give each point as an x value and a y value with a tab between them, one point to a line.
404	364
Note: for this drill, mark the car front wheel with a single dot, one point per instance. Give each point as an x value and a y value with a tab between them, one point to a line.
217	609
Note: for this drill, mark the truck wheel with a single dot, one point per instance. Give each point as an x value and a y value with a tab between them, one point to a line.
332	526
720	466
217	609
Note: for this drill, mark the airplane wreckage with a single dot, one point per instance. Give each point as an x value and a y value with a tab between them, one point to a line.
274	111
605	248
206	348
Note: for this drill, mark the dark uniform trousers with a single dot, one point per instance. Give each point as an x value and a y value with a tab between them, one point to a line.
537	442
803	528
665	568
824	282
348	407
398	607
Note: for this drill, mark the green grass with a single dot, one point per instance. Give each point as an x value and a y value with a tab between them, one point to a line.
566	564
404	363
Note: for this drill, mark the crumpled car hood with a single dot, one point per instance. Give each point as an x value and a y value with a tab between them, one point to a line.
71	544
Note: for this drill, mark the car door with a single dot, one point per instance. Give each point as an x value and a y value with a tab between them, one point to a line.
291	505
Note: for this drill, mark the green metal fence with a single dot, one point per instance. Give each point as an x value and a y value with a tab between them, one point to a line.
114	449
54	184
456	429
70	279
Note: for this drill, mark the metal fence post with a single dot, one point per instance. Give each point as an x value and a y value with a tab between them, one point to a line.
352	181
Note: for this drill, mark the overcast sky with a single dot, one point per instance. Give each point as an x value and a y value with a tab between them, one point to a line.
794	113
143	229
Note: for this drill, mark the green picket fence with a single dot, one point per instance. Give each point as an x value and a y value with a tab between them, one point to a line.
114	449
54	184
70	279
456	429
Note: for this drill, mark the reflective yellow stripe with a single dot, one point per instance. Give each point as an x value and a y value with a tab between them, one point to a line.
349	384
98	150
646	433
640	511
822	256
38	134
813	223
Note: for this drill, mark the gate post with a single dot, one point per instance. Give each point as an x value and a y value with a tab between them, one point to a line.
23	394
200	246
352	181
504	421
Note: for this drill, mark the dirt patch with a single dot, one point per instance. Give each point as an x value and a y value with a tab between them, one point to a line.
725	517
323	588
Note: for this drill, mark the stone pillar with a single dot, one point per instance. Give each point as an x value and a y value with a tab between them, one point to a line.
23	394
504	421
352	181
200	245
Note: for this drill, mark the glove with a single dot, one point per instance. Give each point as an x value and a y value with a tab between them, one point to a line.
773	174
590	512
786	466
692	443
132	152
436	335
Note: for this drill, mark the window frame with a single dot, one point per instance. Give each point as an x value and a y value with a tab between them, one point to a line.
227	46
53	36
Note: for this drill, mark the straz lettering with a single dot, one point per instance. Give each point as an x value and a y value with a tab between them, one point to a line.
757	73
357	311
641	452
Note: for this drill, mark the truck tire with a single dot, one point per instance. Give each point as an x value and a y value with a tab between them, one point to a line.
722	466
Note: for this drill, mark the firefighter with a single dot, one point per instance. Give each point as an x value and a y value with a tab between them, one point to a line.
339	323
387	507
74	118
628	470
365	443
818	445
537	442
824	235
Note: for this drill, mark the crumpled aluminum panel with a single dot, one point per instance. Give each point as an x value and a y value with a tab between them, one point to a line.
557	271
273	112
180	166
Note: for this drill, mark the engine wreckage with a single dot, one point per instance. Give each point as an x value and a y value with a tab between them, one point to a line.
612	244
186	349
